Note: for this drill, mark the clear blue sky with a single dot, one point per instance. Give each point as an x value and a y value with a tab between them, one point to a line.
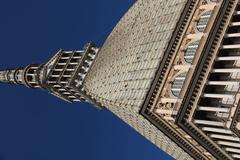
38	126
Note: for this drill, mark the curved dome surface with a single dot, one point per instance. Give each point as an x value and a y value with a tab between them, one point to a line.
126	64
124	68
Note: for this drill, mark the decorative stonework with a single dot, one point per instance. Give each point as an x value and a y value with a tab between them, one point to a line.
186	116
169	111
165	97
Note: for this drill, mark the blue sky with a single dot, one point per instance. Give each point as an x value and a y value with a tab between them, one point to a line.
37	126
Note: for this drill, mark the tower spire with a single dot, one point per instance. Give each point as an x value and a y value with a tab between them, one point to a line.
28	76
63	75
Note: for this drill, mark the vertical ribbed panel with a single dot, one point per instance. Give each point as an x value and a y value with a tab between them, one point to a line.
126	65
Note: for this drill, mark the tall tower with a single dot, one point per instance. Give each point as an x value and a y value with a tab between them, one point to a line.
170	69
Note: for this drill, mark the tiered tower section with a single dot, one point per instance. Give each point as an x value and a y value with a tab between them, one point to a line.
62	76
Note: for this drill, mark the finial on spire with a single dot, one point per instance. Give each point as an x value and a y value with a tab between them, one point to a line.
14	76
3	76
28	76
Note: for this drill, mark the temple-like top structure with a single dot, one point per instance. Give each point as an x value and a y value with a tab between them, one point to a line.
62	76
170	69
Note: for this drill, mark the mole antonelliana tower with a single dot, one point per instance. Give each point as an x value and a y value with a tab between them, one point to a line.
170	69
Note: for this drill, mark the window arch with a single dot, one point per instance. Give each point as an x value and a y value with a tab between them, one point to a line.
190	51
178	84
203	21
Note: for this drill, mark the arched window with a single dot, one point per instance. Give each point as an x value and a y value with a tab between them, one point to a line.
203	21
178	84
190	51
